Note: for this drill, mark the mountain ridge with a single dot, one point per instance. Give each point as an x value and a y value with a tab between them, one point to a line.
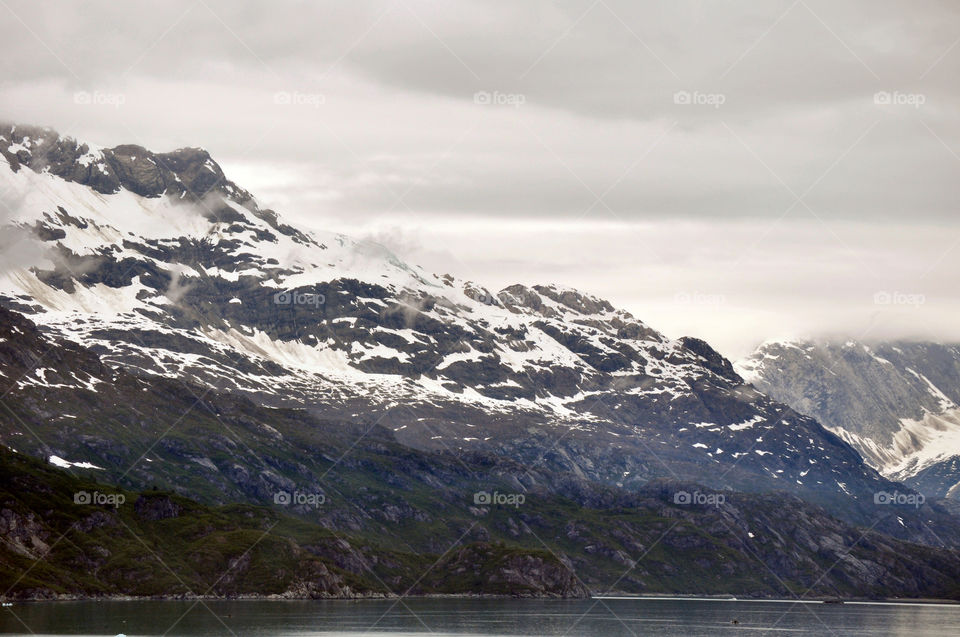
239	302
896	402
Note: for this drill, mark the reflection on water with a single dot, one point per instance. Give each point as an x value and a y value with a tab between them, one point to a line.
456	616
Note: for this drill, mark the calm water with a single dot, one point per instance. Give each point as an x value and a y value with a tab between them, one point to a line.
612	618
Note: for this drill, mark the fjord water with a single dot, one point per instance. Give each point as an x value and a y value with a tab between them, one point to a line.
479	617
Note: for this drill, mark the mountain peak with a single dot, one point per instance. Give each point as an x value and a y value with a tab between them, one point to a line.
715	361
163	267
183	173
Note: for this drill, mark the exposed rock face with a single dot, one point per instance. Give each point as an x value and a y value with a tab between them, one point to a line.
895	402
156	507
714	361
22	534
184	174
498	570
187	171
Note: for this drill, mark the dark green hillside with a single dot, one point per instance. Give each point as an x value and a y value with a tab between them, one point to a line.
160	544
157	543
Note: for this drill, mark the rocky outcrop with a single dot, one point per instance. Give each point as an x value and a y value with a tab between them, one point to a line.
156	507
187	171
22	534
714	361
489	569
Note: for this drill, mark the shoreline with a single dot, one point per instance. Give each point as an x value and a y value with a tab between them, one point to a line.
899	601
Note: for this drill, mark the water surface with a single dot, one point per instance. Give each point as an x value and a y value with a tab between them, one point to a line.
482	617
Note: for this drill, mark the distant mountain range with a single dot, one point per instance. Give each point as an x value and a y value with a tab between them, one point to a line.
895	402
163	329
160	265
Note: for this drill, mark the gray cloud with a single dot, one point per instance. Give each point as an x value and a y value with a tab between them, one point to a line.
379	128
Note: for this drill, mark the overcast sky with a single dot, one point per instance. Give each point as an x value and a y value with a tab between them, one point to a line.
732	170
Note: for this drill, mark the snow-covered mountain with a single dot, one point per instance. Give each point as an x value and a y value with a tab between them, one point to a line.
896	402
162	266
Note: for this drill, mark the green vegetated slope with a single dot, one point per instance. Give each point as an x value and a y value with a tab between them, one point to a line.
157	543
160	544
